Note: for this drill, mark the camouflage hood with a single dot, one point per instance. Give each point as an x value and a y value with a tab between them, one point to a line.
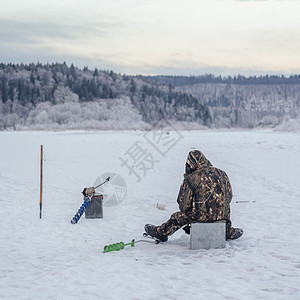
196	160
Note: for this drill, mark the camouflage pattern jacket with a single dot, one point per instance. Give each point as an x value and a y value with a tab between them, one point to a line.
205	193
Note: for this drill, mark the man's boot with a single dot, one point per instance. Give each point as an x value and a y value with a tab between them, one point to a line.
152	231
234	233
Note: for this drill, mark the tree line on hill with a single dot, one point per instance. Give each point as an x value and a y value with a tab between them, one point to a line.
51	96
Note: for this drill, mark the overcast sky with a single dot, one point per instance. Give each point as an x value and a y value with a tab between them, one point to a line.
155	36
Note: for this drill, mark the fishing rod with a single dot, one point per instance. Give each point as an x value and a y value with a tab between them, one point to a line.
91	190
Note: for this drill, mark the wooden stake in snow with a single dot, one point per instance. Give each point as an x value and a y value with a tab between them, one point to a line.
41	183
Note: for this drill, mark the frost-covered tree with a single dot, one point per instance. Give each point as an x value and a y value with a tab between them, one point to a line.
64	94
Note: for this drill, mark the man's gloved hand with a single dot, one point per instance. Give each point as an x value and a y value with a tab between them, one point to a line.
90	191
187	228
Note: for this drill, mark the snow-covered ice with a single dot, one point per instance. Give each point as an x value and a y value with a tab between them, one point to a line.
50	258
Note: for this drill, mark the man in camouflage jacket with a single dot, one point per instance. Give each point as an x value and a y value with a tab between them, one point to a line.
204	196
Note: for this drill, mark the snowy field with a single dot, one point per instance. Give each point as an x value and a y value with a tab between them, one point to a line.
50	258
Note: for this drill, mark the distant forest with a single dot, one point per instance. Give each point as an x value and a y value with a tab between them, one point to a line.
58	96
239	79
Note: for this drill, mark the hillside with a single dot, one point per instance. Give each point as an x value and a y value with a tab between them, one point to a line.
241	101
58	96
